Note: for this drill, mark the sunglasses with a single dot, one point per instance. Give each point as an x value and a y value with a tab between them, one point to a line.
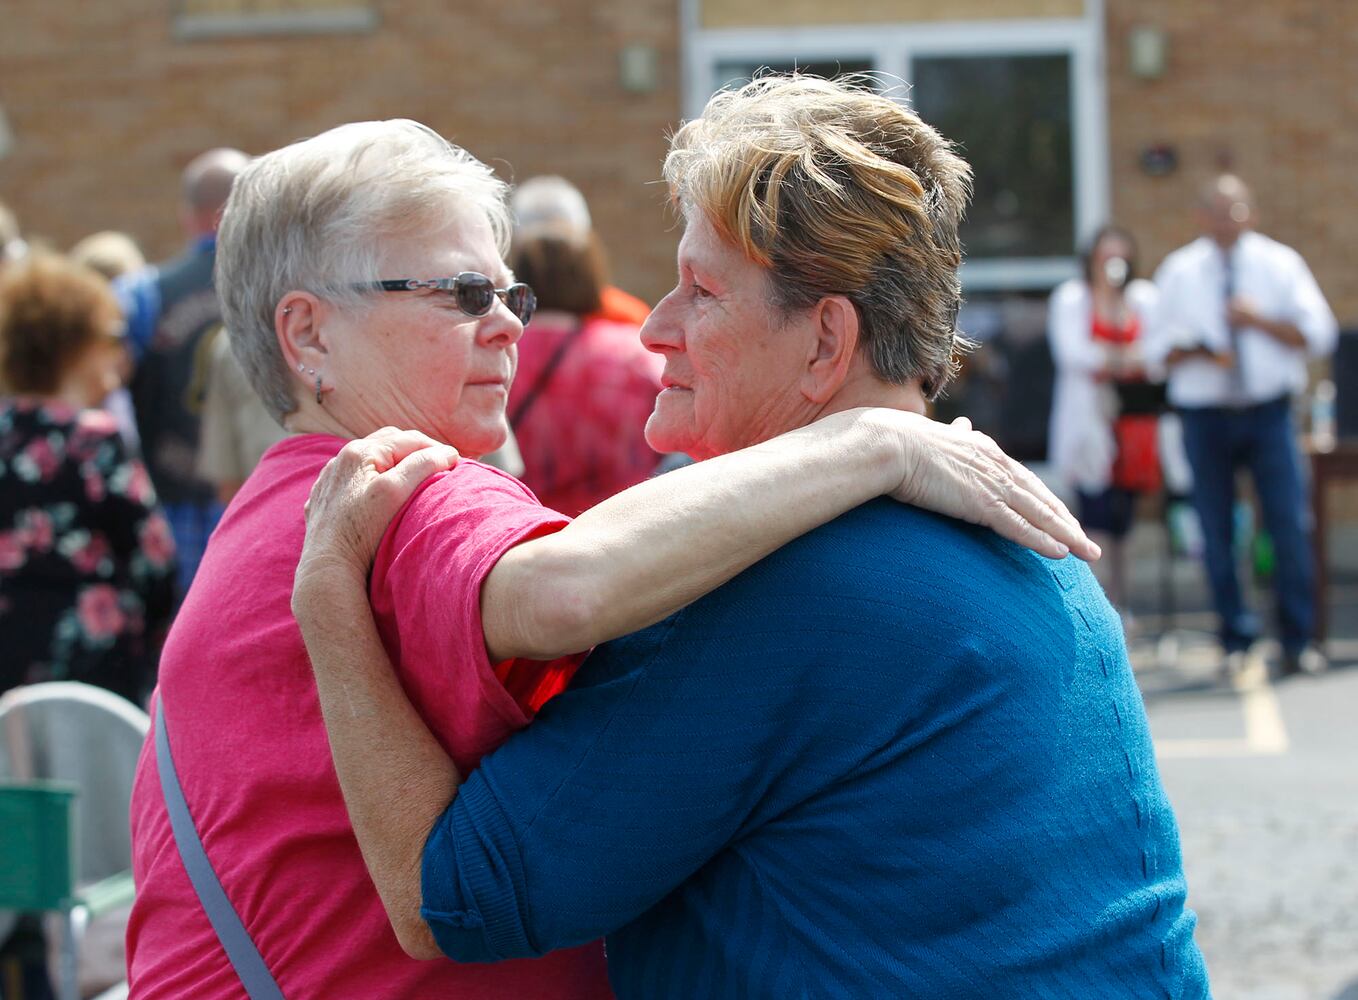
473	293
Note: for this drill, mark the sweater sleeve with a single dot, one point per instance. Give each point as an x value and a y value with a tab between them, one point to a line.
623	787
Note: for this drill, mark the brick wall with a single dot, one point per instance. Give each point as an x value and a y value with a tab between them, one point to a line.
106	107
1268	89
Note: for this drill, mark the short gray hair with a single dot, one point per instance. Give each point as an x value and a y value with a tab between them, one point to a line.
550	201
313	217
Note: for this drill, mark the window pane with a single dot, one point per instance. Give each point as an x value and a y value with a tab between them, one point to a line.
1005	385
738	71
242	18
262	7
1011	116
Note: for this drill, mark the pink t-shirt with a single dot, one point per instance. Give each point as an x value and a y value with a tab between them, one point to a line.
251	751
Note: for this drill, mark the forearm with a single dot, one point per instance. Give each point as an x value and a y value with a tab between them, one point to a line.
654	548
395	776
1178	355
1288	334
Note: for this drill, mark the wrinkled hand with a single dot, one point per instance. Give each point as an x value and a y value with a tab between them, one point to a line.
358	493
962	473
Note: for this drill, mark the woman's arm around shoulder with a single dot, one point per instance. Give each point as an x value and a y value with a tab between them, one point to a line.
652	549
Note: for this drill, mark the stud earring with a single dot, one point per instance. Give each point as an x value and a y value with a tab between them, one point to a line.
301	368
287	310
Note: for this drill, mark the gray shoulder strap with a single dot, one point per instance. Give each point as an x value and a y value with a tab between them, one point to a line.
240	950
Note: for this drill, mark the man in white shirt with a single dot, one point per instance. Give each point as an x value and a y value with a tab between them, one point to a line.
1238	317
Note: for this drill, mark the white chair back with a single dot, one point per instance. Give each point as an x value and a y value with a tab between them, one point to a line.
79	733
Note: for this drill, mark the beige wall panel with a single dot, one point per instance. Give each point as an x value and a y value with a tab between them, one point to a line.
795	13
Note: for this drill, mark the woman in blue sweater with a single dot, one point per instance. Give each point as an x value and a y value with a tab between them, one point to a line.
898	757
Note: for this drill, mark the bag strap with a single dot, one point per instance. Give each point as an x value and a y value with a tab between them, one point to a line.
240	950
544	376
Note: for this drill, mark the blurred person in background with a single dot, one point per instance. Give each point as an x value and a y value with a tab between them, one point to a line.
237	429
899	756
86	559
172	318
113	255
553	201
585	385
1104	408
363	282
1239	316
12	244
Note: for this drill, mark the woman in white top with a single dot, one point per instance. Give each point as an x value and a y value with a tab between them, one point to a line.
1102	436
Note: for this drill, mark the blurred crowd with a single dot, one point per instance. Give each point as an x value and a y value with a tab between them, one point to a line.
1167	389
127	423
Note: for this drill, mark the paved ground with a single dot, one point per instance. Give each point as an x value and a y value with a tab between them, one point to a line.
1264	780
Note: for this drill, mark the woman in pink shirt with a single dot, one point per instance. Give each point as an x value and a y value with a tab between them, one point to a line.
362	277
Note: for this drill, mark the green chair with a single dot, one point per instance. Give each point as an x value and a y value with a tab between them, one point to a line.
38	874
68	755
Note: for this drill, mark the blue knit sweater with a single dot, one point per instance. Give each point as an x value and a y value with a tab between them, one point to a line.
898	758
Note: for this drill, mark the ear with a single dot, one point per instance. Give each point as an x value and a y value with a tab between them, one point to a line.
836	329
298	321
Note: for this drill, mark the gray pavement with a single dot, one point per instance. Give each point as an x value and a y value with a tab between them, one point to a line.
1263	777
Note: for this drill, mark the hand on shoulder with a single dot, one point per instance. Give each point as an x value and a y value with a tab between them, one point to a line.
357	494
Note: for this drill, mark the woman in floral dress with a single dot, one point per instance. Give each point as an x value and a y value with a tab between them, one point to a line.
86	559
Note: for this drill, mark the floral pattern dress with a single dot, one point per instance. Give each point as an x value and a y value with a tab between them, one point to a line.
86	557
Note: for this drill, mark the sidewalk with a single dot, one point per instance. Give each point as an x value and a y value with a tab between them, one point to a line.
1262	782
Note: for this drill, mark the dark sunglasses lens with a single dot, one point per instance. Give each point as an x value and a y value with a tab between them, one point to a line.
521	301
475	293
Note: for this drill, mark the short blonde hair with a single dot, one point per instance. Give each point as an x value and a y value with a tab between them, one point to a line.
837	190
316	216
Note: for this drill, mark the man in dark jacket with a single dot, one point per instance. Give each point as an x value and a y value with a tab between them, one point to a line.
172	319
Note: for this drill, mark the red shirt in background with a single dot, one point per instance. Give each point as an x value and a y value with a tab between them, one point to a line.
251	751
582	436
622	307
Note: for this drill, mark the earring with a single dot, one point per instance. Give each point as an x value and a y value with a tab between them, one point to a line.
300	368
287	310
318	390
